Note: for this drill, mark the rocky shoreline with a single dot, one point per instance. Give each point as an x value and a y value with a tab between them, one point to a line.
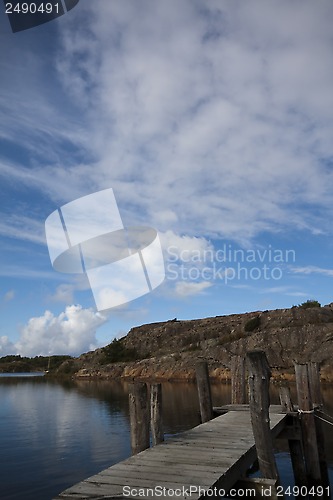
169	350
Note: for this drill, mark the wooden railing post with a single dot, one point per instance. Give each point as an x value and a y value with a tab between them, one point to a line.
139	417
314	384
317	402
295	445
205	397
259	375
156	422
238	382
308	426
285	399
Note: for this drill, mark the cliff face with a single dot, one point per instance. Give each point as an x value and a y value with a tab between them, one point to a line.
169	350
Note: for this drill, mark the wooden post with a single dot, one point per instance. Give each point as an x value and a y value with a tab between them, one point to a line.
238	383
295	445
308	426
317	402
314	383
285	399
156	423
259	375
205	397
139	417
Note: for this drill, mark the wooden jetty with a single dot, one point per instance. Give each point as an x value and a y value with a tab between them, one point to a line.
213	454
213	458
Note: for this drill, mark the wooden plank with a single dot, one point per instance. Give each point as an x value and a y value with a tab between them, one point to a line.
225	447
246	407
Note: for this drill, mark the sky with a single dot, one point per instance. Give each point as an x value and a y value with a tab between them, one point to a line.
211	121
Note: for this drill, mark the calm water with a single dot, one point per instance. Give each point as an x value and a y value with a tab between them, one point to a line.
54	434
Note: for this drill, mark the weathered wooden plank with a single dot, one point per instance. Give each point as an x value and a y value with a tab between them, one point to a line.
144	470
216	453
246	407
186	464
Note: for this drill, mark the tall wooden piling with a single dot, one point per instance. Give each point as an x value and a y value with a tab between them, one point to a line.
285	399
139	417
317	402
294	441
156	423
238	382
308	426
204	392
314	384
259	375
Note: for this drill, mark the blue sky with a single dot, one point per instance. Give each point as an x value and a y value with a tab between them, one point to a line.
212	122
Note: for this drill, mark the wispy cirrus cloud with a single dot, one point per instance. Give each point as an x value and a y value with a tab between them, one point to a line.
203	117
312	270
19	226
211	123
185	289
22	271
192	113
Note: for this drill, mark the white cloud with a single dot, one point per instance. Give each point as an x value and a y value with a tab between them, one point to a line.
204	111
298	294
283	290
177	246
9	296
312	270
185	289
63	293
185	259
21	271
210	121
71	332
6	346
23	228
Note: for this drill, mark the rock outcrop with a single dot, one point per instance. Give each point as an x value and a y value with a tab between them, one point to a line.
169	350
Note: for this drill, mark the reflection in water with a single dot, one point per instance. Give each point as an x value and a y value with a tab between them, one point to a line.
56	433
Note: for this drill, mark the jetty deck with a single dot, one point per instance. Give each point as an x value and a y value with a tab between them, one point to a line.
214	454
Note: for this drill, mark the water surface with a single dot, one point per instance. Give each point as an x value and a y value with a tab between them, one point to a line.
54	434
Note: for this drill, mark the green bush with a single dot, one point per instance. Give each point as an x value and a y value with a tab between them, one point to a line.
116	351
309	303
252	324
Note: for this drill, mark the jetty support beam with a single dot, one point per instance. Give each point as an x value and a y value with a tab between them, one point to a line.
259	375
204	392
238	382
139	417
294	439
156	421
